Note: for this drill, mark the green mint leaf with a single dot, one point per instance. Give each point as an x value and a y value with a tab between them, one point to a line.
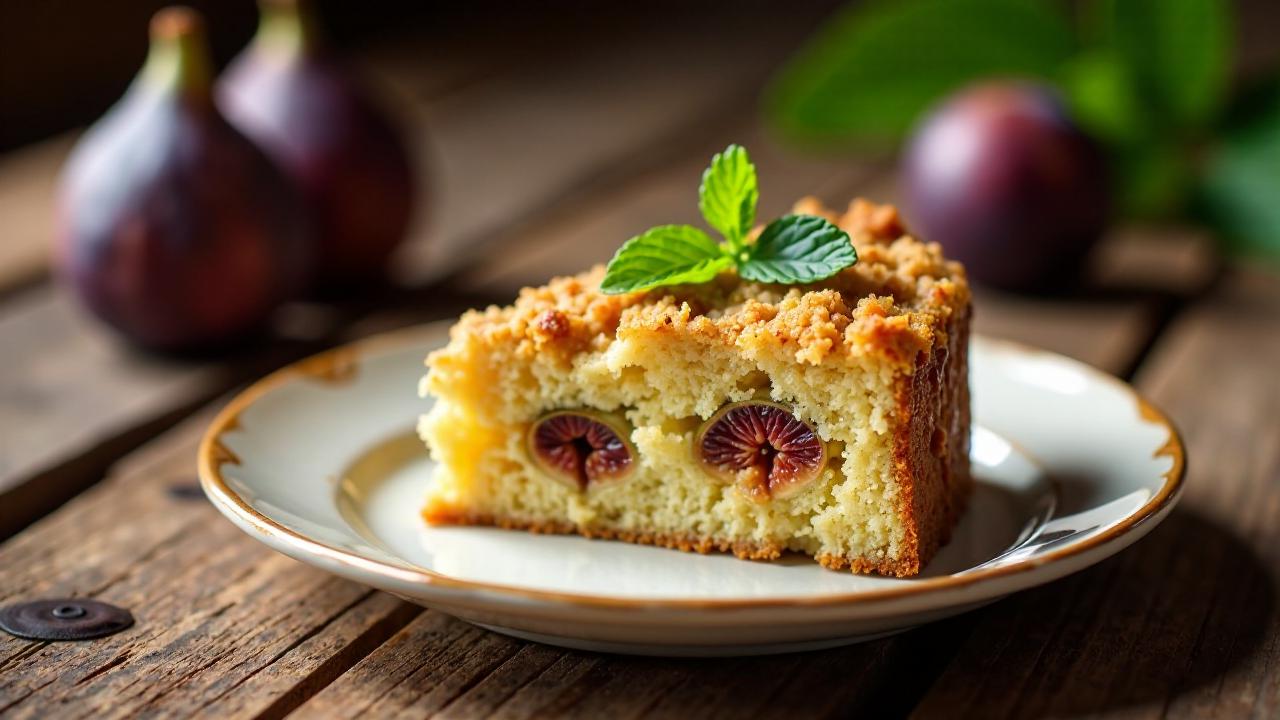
874	67
1178	51
665	255
729	194
798	249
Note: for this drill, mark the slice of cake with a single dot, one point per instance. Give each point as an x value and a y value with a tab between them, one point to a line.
829	418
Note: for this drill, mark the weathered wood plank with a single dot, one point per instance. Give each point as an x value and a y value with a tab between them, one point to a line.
72	399
421	671
1106	333
28	178
507	678
1184	623
225	626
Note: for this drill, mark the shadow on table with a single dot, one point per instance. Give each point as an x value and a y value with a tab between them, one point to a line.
1167	618
1166	621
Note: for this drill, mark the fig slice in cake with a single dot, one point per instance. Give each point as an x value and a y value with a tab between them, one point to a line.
762	446
581	448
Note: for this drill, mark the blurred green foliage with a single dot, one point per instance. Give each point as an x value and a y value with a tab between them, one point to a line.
869	72
1239	192
1148	78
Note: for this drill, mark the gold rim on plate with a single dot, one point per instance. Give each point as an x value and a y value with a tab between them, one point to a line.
341	363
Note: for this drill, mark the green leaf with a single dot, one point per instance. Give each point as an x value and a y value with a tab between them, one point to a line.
1240	191
1178	52
728	194
798	249
665	255
1153	178
873	69
1103	98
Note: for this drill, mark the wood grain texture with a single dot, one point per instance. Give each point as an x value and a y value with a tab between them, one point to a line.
1184	623
440	666
225	627
1107	333
73	398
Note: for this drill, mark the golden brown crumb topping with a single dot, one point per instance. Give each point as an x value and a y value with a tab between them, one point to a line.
894	302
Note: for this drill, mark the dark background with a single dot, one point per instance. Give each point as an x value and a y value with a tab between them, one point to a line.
64	62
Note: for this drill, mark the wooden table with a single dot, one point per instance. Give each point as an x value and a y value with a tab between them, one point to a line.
601	138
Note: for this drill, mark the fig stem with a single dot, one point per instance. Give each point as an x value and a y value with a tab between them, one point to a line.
287	26
178	59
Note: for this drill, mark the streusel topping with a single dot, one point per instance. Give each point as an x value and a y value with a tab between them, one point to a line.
894	302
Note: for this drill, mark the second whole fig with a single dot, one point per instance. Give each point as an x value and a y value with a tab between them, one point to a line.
311	115
1001	176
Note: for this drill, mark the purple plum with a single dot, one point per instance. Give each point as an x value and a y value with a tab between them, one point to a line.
1005	181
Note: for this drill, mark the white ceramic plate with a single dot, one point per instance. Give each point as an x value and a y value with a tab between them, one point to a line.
319	462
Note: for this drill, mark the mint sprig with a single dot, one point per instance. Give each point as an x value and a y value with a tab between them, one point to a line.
665	255
798	248
792	249
728	194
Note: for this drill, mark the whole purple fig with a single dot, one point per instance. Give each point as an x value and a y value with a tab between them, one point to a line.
1000	175
173	227
313	117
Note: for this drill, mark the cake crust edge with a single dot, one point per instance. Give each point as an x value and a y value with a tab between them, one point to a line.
905	566
926	452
